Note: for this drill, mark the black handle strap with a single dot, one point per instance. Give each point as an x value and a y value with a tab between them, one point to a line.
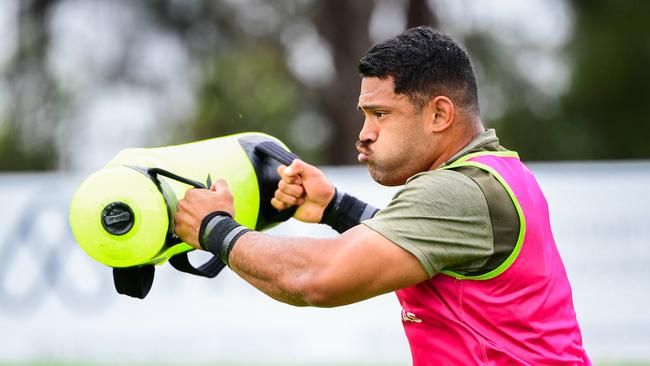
165	173
275	151
209	269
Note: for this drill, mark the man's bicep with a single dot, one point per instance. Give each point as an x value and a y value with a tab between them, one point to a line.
367	264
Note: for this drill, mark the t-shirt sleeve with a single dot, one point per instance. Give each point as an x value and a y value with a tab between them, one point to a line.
442	218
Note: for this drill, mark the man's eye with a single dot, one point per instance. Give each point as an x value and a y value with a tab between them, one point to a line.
379	114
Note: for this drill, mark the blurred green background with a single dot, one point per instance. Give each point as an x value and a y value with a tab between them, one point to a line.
562	79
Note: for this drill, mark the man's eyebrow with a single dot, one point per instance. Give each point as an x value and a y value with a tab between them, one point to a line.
370	107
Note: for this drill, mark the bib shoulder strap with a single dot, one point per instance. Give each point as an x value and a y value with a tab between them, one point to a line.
501	201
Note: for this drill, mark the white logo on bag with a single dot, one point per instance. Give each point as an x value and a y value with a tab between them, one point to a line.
408	316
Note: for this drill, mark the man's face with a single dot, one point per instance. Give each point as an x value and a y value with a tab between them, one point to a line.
394	140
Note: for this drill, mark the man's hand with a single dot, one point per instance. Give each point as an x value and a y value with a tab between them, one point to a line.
196	205
305	186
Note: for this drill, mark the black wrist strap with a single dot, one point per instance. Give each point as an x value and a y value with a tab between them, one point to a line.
219	233
345	211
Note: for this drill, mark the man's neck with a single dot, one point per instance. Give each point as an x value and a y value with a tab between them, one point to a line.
461	139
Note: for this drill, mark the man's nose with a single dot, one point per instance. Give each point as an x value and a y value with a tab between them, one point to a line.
368	132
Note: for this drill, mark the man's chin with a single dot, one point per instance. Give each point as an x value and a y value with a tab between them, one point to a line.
384	178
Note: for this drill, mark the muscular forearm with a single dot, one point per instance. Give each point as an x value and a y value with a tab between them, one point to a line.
297	271
291	270
313	272
284	268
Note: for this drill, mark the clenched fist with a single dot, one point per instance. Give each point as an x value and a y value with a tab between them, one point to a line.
305	186
196	205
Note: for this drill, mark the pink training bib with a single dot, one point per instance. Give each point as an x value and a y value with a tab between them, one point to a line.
520	313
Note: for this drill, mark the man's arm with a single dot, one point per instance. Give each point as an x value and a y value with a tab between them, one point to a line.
300	271
354	266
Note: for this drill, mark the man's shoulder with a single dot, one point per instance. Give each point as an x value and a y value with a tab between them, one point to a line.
440	180
443	189
441	217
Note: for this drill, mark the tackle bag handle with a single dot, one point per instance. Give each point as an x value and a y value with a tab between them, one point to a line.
275	151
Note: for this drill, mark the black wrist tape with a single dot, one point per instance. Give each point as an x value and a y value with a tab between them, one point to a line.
219	233
345	211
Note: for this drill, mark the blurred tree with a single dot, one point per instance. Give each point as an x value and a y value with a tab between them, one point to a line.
605	113
35	106
607	109
245	83
250	88
348	39
420	13
247	89
247	75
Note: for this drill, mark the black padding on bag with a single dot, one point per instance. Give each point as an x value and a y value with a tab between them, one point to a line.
266	156
134	281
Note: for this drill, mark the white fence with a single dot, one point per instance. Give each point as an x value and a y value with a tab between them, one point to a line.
58	304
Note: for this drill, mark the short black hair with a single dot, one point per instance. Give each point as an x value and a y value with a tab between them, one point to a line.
424	63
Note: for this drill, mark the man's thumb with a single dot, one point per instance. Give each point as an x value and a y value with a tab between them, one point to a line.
220	185
297	167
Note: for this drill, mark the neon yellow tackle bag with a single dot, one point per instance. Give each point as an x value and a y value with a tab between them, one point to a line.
122	215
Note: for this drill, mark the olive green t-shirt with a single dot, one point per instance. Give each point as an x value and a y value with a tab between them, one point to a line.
456	220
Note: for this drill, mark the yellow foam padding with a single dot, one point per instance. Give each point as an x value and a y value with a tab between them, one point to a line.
119	184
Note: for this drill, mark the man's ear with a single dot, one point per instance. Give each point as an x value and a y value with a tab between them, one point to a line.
440	113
